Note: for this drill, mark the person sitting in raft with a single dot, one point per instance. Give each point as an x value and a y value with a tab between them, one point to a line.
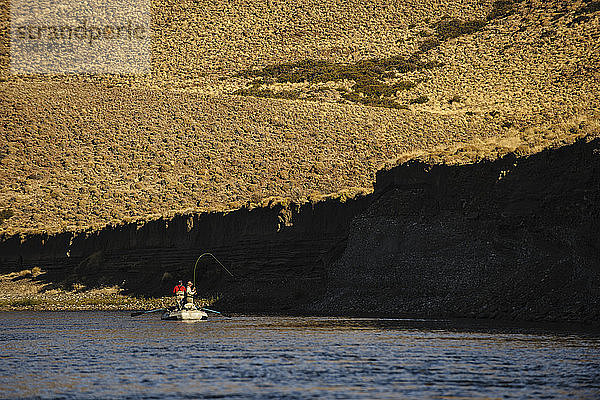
190	292
179	292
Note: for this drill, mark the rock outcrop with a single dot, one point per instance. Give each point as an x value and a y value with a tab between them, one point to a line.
515	238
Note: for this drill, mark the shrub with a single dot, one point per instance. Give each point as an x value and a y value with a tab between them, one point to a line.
6	214
429	44
26	302
325	71
378	89
368	75
372	101
453	28
256	197
578	20
419	100
501	9
433	64
404	85
255	91
24	273
589	8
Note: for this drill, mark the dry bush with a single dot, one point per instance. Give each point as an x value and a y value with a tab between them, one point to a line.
502	8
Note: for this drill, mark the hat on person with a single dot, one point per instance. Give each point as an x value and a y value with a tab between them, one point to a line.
189	283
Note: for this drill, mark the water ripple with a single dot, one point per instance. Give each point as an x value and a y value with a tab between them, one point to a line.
106	355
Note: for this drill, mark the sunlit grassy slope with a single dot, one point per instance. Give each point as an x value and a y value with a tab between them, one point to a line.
254	99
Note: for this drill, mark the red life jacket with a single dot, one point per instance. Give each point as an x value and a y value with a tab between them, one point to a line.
179	288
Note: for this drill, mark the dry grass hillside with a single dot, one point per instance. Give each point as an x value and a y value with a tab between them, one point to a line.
248	100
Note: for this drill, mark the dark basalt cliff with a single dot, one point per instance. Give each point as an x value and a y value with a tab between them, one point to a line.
515	238
277	254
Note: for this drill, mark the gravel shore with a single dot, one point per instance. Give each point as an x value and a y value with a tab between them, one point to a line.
26	290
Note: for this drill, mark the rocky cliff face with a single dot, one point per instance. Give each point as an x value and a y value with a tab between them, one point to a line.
278	255
515	238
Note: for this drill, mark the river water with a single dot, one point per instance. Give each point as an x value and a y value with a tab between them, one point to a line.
110	354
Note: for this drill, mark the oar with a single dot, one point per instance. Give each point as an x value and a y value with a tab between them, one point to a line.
216	312
135	314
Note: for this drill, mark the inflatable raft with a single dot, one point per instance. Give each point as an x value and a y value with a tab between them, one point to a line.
185	314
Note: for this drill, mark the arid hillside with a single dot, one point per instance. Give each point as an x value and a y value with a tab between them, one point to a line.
257	99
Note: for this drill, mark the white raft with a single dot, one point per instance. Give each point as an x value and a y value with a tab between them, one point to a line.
186	314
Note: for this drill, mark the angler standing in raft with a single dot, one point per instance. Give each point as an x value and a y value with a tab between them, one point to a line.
179	292
190	292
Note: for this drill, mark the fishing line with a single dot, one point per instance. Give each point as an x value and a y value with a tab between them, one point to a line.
208	254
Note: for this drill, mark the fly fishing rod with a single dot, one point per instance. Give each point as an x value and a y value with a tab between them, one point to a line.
221	264
208	254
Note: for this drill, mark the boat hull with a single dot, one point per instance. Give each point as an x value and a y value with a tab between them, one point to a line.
184	315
